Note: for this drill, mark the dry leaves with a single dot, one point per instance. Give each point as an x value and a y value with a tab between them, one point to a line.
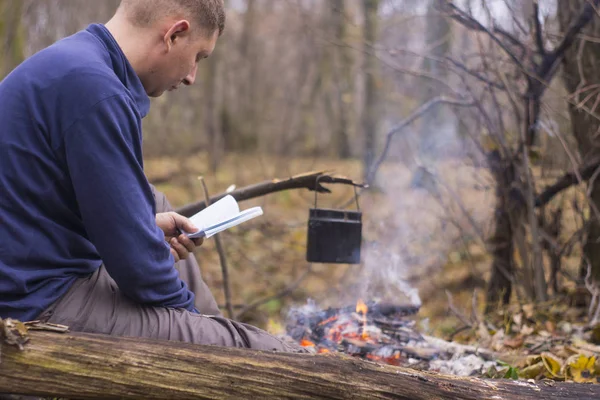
13	333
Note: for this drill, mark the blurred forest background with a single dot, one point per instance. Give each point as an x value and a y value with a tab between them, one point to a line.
474	122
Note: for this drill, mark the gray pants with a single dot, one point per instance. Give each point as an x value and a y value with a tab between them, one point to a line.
95	304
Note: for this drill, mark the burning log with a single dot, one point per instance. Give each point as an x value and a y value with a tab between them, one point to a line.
101	367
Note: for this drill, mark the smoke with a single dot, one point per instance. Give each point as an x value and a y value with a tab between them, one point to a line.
384	277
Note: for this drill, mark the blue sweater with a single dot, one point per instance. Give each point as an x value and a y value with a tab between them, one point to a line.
73	193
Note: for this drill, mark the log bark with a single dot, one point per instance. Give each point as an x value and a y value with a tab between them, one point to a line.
86	366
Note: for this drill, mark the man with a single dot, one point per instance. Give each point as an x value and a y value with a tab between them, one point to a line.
81	241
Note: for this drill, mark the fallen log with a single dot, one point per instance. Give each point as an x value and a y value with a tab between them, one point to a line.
86	366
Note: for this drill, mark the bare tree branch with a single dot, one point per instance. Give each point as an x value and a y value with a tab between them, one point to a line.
538	28
475	74
222	258
511	38
462	317
282	293
551	60
565	182
466	20
406	122
303	181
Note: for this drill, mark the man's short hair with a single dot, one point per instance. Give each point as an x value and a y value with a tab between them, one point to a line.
208	14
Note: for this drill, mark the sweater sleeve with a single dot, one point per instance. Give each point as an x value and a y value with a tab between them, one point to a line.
103	155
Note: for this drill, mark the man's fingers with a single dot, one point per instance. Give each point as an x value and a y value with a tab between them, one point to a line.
198	241
186	242
182	252
175	255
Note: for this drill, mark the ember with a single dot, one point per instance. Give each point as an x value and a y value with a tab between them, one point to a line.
374	331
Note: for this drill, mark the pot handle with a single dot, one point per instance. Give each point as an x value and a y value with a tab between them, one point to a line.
353	186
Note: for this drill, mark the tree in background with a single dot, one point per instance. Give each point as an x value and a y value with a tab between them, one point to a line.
370	113
438	41
343	58
581	67
12	35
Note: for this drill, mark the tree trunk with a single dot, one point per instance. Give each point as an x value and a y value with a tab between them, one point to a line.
438	128
580	70
12	36
343	80
501	243
370	116
88	366
213	108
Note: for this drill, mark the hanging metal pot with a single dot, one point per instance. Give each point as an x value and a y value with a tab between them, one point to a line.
334	236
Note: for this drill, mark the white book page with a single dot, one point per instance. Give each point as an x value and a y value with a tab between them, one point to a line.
217	212
221	215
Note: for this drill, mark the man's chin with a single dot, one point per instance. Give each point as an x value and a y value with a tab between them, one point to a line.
156	93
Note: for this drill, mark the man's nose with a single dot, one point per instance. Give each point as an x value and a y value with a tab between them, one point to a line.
191	78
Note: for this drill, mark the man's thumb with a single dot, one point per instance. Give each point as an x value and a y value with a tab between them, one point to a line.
187	225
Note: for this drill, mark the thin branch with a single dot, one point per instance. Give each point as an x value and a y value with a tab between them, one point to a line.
466	20
480	235
538	28
511	38
463	318
406	122
566	181
282	293
475	74
222	258
594	289
514	15
551	60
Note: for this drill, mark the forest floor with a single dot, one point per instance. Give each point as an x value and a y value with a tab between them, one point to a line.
422	244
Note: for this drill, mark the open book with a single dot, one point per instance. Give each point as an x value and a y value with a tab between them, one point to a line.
221	215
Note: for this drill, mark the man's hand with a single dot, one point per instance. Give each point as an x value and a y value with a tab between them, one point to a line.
172	224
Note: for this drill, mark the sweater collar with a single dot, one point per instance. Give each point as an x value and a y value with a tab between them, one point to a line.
122	67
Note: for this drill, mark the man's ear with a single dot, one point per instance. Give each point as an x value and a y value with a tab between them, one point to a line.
175	32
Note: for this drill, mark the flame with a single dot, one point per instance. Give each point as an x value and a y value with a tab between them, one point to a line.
323	350
306	343
361	307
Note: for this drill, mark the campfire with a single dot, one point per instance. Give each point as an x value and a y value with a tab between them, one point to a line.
385	333
376	331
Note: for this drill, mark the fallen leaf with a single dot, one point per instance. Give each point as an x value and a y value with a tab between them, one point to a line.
565	327
534	359
518	319
527	330
532	371
582	344
581	368
553	365
515	342
528	310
